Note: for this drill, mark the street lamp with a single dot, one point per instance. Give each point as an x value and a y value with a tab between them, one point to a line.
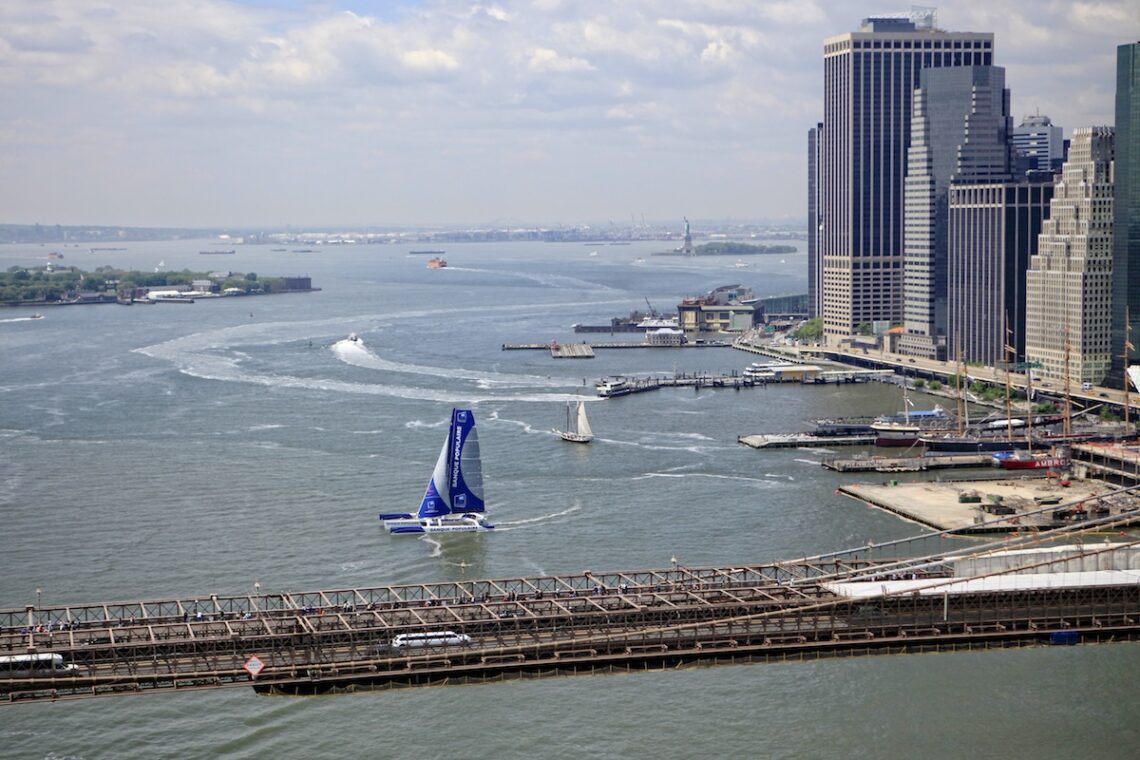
39	593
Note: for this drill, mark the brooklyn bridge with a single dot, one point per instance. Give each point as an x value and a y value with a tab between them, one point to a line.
929	593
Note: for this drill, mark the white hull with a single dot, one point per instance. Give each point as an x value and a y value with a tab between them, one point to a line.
574	437
577	427
469	523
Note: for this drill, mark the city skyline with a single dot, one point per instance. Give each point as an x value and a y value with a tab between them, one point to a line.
268	112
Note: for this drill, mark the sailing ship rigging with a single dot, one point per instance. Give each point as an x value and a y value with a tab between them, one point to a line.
577	426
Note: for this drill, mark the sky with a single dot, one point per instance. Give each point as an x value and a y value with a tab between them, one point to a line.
266	113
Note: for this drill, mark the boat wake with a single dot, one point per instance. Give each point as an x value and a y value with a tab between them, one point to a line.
764	482
513	524
355	353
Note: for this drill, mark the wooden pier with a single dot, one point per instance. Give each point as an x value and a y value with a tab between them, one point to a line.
694	380
656	619
804	440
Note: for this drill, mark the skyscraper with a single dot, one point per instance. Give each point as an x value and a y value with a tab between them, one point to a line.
869	78
1068	286
1126	210
993	232
959	133
815	281
1040	143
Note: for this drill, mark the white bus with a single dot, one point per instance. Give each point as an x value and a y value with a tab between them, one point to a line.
430	639
35	665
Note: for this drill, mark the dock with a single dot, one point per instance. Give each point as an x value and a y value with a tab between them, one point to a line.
624	386
586	350
999	506
908	464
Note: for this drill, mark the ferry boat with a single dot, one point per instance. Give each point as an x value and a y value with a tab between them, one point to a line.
613	386
436	263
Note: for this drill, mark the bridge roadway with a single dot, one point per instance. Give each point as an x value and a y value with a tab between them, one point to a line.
533	626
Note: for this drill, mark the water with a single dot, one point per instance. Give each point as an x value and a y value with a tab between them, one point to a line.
157	451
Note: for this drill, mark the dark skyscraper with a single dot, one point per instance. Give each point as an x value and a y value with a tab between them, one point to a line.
869	79
815	268
1126	210
993	229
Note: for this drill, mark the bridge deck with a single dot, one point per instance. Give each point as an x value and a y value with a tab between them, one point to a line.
539	625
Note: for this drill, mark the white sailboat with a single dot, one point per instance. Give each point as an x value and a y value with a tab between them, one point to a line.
453	501
577	426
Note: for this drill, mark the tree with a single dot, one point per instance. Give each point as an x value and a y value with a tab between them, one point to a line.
810	330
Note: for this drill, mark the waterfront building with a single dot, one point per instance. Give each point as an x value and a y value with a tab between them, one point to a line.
729	308
993	231
1039	143
815	270
1069	282
1126	211
960	128
869	78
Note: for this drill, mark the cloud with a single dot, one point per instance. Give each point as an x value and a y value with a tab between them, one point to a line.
427	89
545	59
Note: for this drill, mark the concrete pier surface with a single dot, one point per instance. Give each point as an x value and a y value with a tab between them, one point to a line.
989	506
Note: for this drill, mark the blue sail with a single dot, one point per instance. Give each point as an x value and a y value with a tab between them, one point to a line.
436	501
465	469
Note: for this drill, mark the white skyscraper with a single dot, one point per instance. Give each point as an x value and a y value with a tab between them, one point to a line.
1069	283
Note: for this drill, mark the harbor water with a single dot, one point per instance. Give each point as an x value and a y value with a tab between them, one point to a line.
238	443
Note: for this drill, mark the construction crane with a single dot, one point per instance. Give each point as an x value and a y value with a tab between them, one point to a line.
652	311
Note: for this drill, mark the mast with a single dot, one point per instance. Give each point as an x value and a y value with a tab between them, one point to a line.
1128	347
1007	350
1029	406
958	389
1068	424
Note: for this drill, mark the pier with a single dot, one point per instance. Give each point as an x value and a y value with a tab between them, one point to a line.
624	386
913	595
804	440
586	350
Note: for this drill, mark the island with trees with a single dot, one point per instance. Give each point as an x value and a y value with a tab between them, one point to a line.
55	285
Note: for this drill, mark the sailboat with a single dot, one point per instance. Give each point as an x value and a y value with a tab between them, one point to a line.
453	501
577	426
